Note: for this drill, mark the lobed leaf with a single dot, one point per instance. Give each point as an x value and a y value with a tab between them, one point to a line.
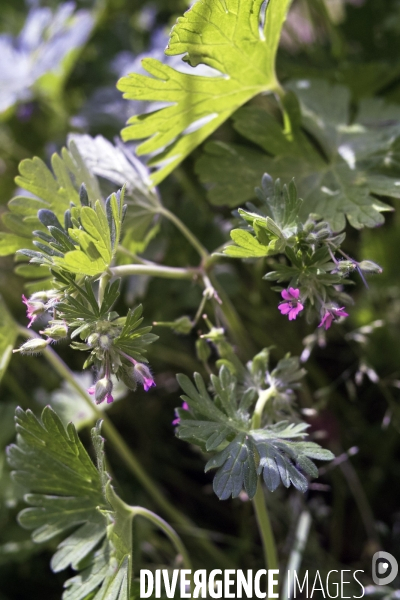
67	491
338	176
224	35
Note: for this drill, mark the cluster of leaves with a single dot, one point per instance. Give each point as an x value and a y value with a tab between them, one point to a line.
88	241
340	165
107	336
84	161
276	228
223	424
67	491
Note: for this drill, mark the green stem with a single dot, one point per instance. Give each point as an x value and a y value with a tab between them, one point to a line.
263	398
104	279
124	451
287	124
265	529
167	529
155	271
296	555
191	238
232	320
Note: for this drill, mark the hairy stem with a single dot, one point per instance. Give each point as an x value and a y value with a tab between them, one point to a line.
287	124
265	529
167	529
125	452
191	238
155	271
104	279
263	398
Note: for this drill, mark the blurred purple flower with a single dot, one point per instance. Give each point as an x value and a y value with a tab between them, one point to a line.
330	315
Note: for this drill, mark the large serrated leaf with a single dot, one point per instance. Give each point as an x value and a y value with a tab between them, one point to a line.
224	35
67	491
338	183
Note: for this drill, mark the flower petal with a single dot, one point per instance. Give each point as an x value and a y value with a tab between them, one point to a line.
295	311
285	308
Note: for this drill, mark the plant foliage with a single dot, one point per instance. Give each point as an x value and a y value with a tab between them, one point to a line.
224	35
222	424
66	491
339	172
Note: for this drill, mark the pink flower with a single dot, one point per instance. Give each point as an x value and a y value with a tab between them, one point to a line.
148	383
331	314
293	306
141	373
109	398
177	420
91	390
33	309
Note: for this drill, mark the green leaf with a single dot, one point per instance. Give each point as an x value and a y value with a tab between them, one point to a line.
10	243
79	262
52	190
237	469
90	243
247	245
67	491
222	424
288	461
337	177
270	453
121	167
8	336
224	35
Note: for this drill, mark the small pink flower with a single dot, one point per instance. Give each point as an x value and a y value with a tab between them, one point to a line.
141	373
177	420
33	309
109	398
91	390
293	306
331	314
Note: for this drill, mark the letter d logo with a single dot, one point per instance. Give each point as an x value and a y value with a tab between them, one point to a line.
384	568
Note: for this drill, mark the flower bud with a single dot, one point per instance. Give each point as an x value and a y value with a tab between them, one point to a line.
33	309
93	339
33	346
105	342
39	297
143	375
183	325
127	375
203	350
57	331
344	266
102	390
368	266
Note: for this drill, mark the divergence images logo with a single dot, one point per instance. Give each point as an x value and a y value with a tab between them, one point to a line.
384	568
